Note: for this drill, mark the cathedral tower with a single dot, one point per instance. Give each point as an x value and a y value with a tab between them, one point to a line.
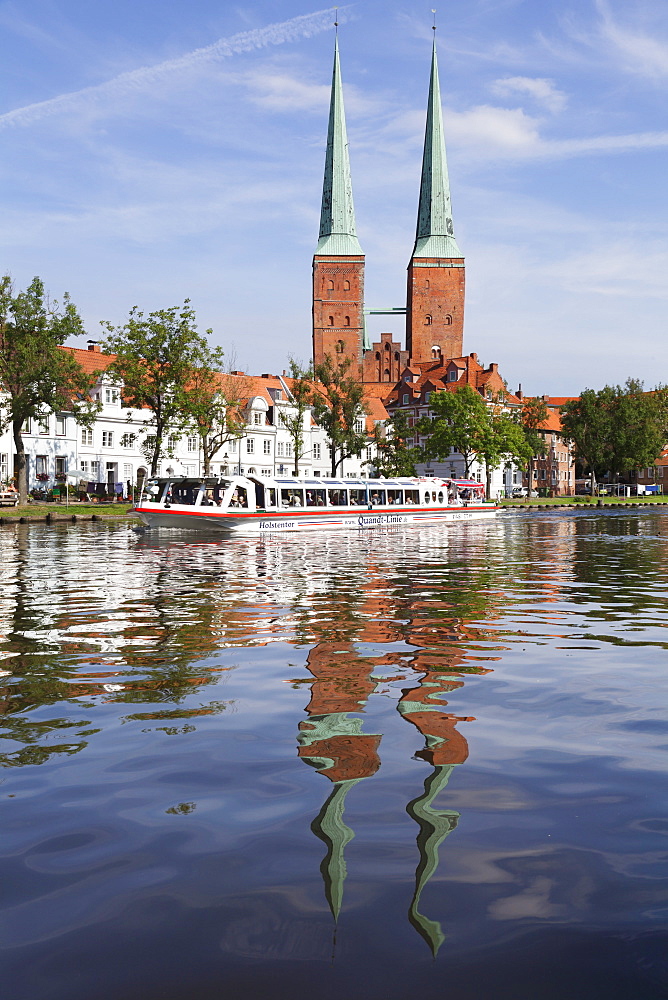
435	299
338	263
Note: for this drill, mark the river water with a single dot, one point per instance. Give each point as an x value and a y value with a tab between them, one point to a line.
423	762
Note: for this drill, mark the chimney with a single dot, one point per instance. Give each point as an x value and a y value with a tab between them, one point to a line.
94	347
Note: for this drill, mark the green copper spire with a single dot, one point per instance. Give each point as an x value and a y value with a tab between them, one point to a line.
435	236
337	215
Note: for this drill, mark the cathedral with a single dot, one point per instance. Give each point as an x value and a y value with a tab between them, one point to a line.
435	287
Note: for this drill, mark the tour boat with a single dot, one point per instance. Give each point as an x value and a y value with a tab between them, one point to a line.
240	504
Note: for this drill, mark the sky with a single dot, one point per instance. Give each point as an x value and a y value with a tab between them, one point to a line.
153	152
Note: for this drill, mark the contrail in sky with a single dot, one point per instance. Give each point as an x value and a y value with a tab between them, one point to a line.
303	26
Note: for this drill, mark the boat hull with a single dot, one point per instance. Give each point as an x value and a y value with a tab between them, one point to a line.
260	522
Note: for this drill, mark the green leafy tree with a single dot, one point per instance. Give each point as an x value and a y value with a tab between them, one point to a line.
534	416
393	455
337	406
36	373
460	421
301	401
157	357
212	405
618	428
505	441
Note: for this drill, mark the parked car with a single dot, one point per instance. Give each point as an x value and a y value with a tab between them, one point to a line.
522	491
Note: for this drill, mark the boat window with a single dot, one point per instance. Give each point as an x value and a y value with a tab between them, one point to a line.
153	489
315	498
440	497
377	497
412	496
292	498
182	494
239	497
339	498
427	497
358	498
395	496
270	496
433	496
210	498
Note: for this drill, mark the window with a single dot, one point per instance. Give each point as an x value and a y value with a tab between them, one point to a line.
111	396
27	425
257	419
265	472
250	446
369	454
95	472
192	444
266	447
280	449
452	375
427	396
61	424
288	449
61	465
128	441
660	471
83	466
331	321
339	347
330	285
316	451
404	398
346	320
359	425
232	444
127	472
172	441
4	466
43	424
107	439
87	436
448	320
427	320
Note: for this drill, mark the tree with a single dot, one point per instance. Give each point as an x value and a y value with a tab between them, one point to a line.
338	405
36	373
156	360
301	399
617	428
461	421
212	405
534	416
393	456
505	441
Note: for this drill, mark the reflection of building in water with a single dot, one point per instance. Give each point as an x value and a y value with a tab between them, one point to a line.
334	743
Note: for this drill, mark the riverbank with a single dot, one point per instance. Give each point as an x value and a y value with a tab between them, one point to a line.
50	513
585	502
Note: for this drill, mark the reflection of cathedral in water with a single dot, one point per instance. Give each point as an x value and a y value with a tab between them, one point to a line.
333	741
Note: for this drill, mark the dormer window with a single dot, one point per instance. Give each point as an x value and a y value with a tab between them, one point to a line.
452	375
404	399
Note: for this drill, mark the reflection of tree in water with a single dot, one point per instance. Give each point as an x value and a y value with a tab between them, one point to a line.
154	659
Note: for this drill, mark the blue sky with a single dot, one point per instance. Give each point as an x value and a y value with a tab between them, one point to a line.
157	151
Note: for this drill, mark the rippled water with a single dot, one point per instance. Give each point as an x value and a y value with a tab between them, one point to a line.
424	762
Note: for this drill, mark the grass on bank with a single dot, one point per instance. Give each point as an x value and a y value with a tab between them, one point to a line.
582	501
58	510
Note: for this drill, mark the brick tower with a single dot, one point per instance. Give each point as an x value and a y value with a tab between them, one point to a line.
338	262
435	299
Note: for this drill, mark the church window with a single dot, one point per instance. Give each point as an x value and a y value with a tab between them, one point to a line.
427	320
386	375
377	355
339	347
346	320
330	285
448	320
346	285
396	356
331	321
426	285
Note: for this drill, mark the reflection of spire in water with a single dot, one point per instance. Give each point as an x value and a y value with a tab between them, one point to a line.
337	747
434	825
331	829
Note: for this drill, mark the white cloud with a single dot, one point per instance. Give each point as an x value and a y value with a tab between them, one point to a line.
644	54
499	130
541	90
130	82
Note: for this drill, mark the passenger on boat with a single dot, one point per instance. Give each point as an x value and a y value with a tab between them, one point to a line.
375	499
295	501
